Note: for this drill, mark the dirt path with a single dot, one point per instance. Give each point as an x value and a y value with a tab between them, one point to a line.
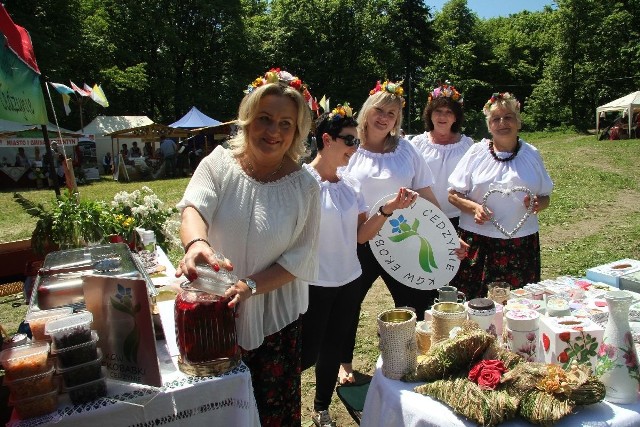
612	214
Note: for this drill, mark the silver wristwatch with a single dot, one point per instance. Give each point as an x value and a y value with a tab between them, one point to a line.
251	284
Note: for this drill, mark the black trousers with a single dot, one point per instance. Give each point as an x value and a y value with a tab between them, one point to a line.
403	296
324	329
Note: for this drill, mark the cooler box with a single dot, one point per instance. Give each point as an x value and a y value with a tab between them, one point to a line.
610	273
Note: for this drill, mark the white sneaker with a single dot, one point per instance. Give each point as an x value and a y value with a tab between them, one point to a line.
323	419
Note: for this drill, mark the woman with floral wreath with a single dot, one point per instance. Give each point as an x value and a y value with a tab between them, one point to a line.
254	203
491	186
333	298
385	163
442	145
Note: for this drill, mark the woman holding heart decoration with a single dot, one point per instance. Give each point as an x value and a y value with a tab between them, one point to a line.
500	185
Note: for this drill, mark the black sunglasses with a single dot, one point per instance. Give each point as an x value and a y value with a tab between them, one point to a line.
349	140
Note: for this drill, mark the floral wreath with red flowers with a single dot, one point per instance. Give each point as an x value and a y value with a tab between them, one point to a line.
394	88
276	75
341	111
499	96
446	90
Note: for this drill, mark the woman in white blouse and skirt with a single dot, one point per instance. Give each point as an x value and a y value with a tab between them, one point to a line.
442	145
500	165
257	206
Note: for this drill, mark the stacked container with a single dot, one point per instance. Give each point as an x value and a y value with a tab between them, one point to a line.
78	360
29	376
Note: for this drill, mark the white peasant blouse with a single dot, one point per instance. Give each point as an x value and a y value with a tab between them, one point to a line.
382	174
255	225
478	172
442	160
341	203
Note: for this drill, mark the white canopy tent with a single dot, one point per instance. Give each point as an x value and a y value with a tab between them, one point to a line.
628	105
101	126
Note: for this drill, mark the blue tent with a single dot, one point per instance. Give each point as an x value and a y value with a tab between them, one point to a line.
195	119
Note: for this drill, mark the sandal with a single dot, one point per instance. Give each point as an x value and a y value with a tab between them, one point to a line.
345	377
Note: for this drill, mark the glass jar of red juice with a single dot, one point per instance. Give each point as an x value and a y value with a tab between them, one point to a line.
205	326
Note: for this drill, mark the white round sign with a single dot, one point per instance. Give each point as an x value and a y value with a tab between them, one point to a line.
416	245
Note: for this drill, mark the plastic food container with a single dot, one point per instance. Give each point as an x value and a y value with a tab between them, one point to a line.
71	330
88	392
75	355
33	385
36	405
25	360
38	319
83	373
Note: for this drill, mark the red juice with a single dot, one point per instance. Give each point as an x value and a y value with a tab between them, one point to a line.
205	329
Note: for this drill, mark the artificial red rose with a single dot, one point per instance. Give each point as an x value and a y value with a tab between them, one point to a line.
563	357
296	84
546	342
565	336
487	373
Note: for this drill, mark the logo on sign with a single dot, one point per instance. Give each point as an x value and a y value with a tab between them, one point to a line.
417	245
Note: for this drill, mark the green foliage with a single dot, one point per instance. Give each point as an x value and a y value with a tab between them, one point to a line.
69	223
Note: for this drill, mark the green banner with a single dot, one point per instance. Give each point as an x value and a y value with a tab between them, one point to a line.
21	98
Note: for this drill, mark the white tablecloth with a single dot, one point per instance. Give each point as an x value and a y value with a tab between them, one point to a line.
393	403
182	400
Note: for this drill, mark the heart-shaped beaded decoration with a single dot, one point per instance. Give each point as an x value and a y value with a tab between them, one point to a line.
507	192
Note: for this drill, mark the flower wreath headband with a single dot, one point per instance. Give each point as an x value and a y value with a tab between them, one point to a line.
276	75
504	96
340	112
446	91
390	87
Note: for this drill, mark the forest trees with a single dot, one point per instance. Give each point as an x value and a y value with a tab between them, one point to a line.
160	57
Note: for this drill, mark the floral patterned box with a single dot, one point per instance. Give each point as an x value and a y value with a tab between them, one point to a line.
610	273
570	338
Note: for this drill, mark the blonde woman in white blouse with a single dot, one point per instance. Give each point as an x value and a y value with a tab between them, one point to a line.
442	145
257	206
503	162
384	164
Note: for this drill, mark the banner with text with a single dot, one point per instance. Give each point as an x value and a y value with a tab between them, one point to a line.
21	98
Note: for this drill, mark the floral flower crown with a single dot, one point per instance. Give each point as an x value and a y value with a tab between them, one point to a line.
446	91
341	111
276	75
388	86
504	96
391	87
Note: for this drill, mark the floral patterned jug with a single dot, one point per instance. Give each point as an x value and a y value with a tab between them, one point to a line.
617	359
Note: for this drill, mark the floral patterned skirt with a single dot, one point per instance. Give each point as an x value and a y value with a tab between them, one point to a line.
515	261
276	375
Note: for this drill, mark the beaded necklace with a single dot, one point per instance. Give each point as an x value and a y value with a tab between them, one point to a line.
506	159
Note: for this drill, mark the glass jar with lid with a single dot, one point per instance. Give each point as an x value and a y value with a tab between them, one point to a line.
205	324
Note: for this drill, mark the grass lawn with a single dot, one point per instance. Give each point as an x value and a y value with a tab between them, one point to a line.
594	218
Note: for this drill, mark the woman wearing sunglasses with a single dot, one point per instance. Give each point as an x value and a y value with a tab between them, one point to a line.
333	298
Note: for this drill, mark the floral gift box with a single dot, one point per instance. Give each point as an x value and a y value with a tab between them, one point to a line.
570	338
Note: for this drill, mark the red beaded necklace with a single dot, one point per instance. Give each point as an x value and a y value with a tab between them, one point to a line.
506	159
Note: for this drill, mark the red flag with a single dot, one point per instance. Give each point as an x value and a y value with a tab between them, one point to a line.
18	40
79	90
